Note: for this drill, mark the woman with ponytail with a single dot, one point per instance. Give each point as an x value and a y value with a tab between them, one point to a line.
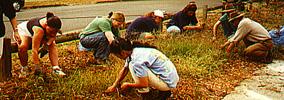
34	33
99	34
149	68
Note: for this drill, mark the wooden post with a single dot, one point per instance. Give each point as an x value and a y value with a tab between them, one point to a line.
205	12
5	59
205	9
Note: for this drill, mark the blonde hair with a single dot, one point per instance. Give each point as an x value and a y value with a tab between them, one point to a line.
149	14
118	16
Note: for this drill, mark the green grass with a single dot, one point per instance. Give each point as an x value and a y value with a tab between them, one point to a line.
205	72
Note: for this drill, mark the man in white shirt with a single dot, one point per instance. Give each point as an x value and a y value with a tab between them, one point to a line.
256	38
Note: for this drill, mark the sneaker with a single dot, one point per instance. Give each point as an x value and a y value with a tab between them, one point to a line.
24	72
58	71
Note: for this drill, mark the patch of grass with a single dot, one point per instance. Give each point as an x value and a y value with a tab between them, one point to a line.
205	72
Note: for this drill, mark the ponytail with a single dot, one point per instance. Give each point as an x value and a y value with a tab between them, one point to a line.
53	21
49	15
110	14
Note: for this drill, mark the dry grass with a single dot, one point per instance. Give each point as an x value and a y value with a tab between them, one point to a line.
205	73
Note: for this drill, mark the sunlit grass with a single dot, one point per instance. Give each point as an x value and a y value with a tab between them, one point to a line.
205	72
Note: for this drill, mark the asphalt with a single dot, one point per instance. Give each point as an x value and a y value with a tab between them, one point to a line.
76	17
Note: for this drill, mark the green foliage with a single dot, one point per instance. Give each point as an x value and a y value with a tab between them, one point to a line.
192	56
205	72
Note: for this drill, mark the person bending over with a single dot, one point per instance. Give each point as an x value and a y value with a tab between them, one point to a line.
149	68
34	33
256	39
99	34
141	26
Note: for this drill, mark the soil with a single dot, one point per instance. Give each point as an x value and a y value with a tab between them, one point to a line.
258	80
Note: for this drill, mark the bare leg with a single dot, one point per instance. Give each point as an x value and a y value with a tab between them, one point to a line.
22	50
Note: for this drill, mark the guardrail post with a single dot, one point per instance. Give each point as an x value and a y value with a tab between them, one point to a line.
205	8
5	59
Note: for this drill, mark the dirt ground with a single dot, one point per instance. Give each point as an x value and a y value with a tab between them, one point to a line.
215	86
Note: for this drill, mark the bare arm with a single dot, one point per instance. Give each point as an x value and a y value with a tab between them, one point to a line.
14	23
197	27
109	35
215	29
36	41
225	44
230	47
141	83
123	72
15	30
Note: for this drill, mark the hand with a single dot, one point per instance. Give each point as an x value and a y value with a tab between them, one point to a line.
214	38
17	38
110	89
185	27
124	86
222	46
202	24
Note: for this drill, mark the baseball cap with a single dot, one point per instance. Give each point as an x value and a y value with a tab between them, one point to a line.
159	13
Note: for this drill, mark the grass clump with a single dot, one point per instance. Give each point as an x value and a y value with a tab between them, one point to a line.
205	72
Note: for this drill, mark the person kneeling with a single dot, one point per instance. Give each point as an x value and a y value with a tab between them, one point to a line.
149	68
256	38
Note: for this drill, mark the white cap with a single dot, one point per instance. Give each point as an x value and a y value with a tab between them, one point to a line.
159	13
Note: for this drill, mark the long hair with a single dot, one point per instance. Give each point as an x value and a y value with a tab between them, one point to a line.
120	44
190	7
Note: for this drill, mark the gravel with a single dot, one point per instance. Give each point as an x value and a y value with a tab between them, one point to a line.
266	84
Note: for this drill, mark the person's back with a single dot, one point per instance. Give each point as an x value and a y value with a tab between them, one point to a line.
157	62
97	25
142	24
250	30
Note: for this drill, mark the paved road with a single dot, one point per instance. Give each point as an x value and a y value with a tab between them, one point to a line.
72	15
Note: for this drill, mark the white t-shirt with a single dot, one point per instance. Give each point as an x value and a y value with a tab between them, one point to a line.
154	60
